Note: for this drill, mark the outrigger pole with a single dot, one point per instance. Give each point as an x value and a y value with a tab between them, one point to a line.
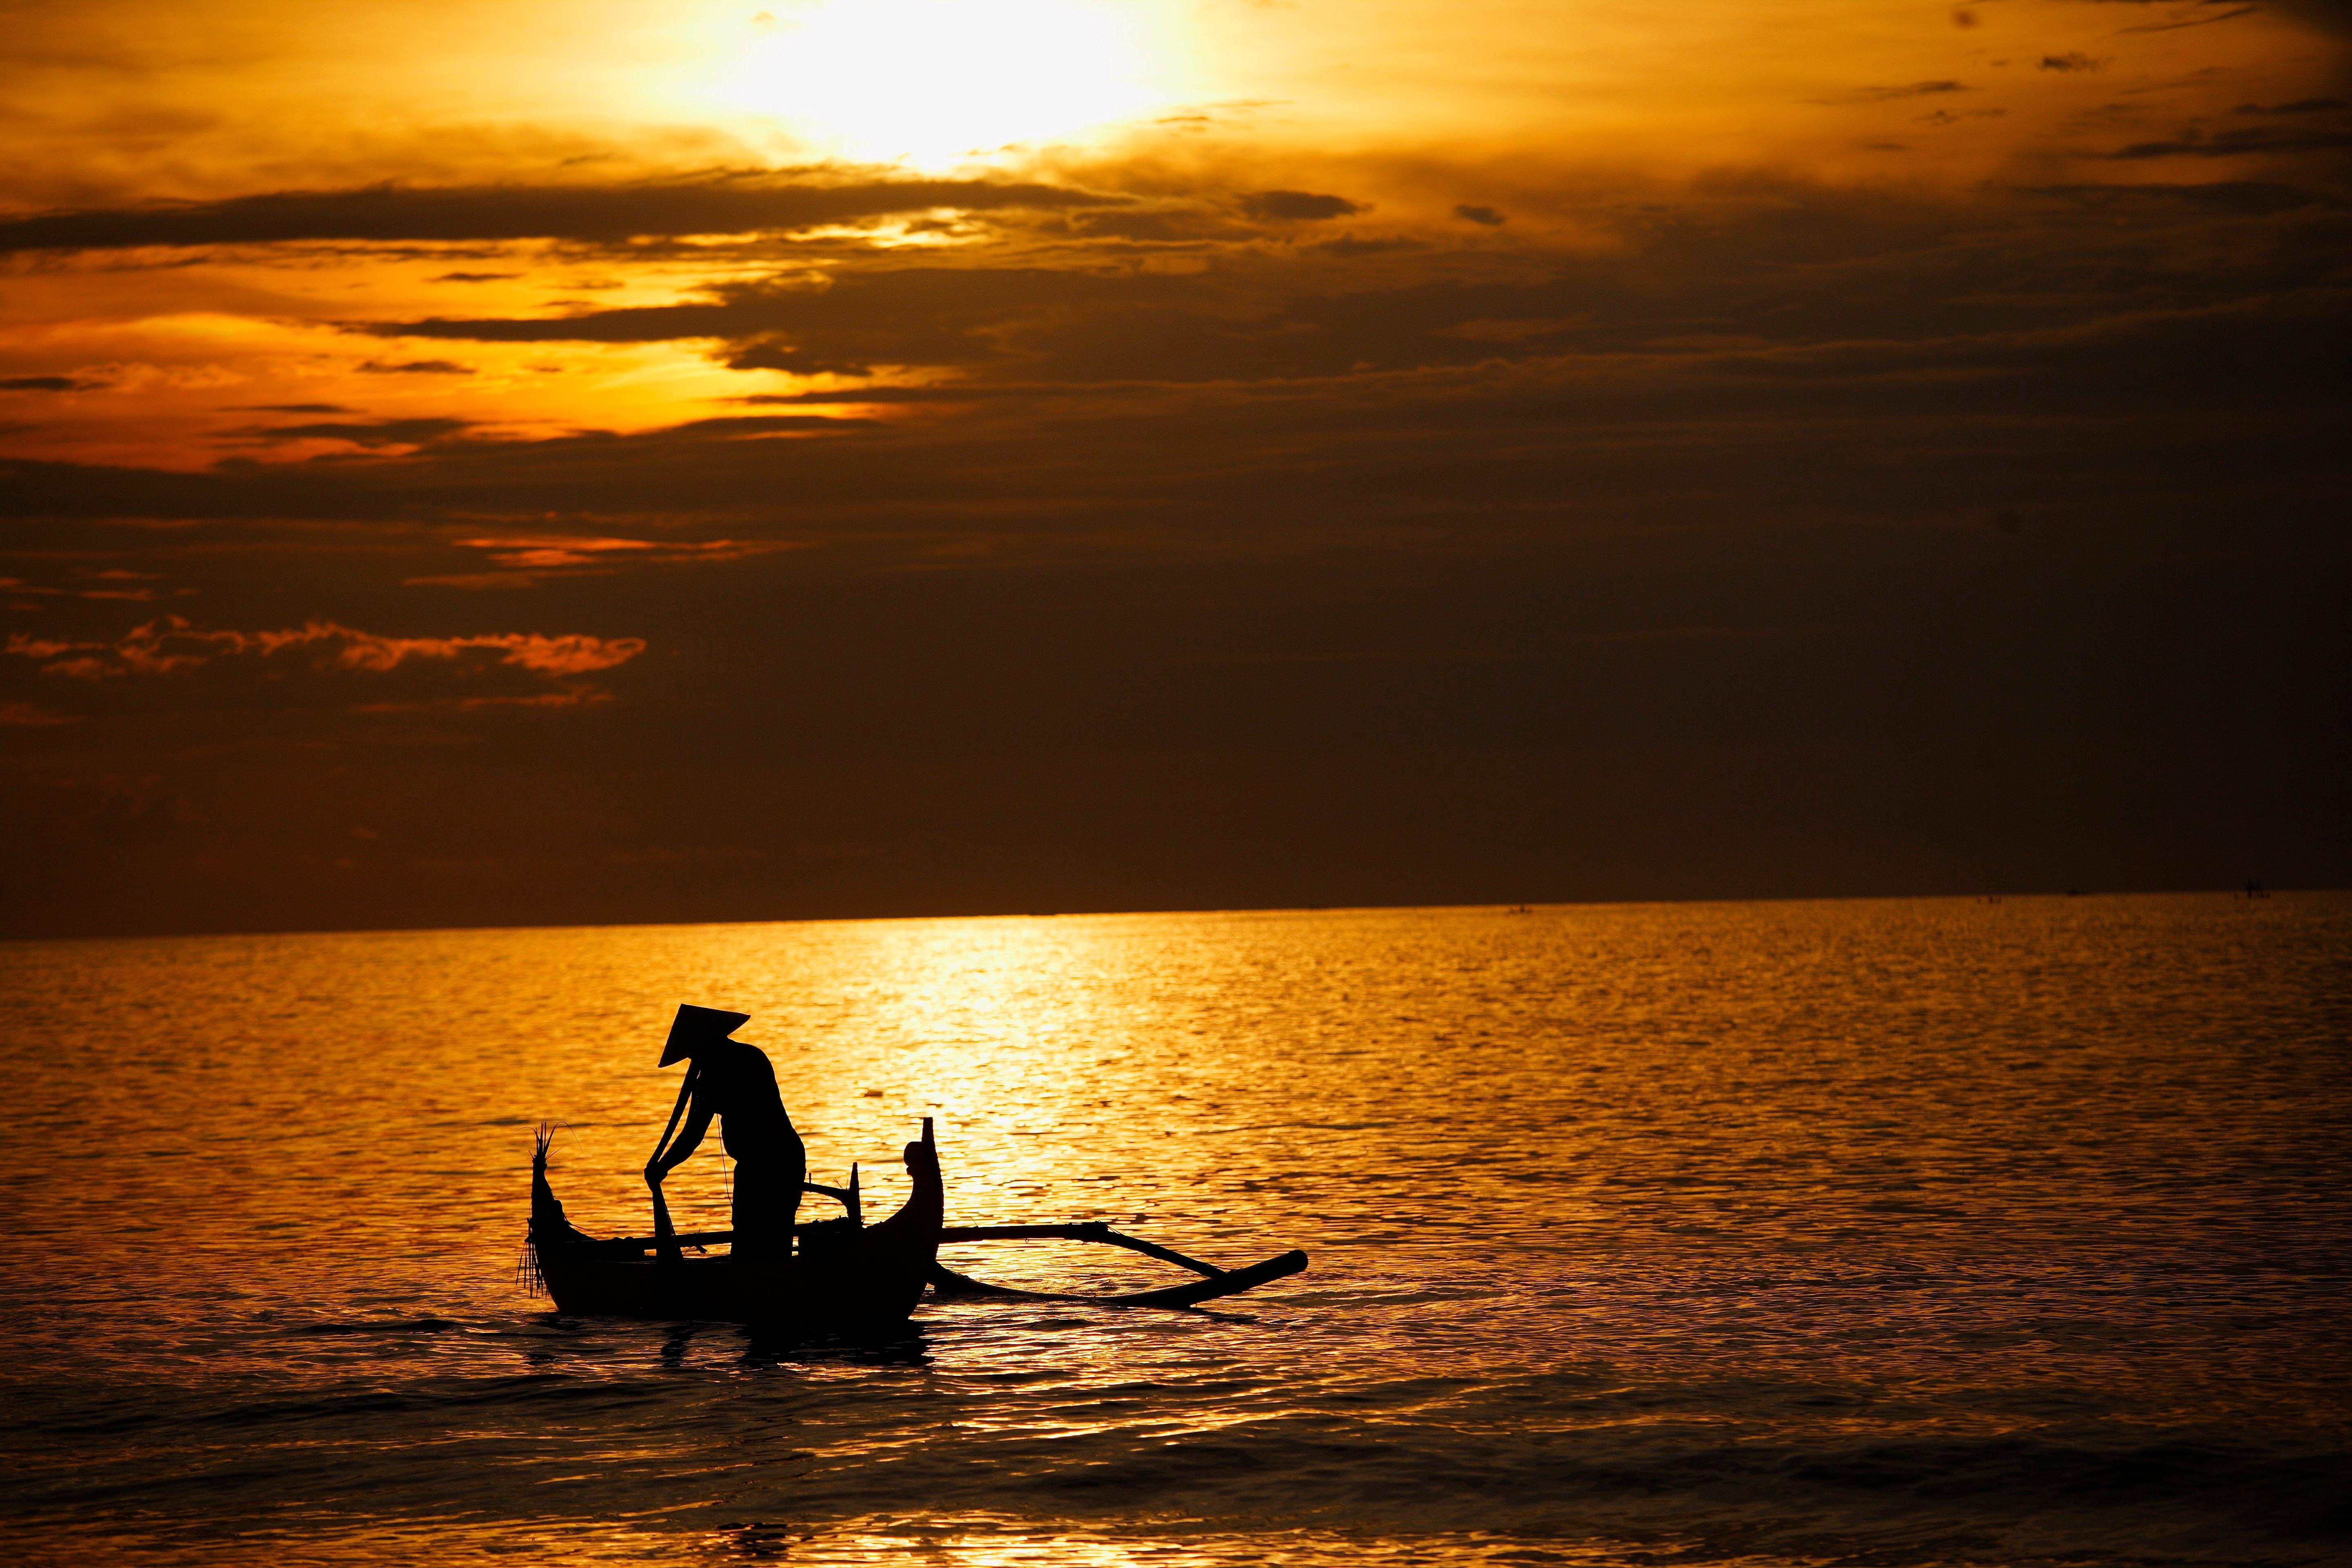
948	1284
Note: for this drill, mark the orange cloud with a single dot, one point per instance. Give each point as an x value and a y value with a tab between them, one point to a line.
170	642
26	715
521	560
570	697
546	552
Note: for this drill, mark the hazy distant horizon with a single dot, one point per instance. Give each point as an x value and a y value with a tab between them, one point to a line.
1499	906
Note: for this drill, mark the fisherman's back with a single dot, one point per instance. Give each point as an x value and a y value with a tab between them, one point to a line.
739	1086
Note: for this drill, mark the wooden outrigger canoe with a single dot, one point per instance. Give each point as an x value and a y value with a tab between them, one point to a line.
845	1276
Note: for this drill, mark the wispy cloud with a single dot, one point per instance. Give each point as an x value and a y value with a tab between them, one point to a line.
171	644
2174	26
362	433
1297	206
2237	144
1890	94
525	560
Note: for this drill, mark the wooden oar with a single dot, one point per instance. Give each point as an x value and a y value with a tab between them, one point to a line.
666	1250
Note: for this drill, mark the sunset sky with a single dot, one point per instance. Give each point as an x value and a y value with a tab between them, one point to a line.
500	463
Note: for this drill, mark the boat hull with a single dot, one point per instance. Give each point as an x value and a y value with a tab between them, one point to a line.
873	1283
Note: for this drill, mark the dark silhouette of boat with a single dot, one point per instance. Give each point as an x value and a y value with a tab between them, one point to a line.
844	1276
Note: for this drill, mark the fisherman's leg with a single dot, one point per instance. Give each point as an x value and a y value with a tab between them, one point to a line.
795	1158
791	1169
756	1201
767	1195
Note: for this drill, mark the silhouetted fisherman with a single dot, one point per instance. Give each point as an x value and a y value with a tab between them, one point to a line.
733	1081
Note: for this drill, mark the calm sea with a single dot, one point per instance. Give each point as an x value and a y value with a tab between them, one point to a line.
1891	1232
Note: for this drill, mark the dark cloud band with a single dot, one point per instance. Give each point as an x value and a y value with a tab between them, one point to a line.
607	214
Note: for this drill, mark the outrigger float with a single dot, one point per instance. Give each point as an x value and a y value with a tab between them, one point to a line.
843	1275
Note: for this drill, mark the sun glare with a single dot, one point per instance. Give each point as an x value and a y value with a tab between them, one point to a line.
932	81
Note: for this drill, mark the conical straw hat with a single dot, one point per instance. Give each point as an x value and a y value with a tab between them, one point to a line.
696	1026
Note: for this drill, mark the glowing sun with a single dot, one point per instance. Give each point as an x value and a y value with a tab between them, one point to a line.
932	80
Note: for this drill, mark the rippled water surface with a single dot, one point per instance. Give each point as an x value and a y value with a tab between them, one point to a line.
1912	1232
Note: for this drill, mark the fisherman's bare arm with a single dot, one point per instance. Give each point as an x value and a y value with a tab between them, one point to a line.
689	1138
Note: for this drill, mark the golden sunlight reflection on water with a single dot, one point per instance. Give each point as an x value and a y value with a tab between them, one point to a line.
1669	1224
